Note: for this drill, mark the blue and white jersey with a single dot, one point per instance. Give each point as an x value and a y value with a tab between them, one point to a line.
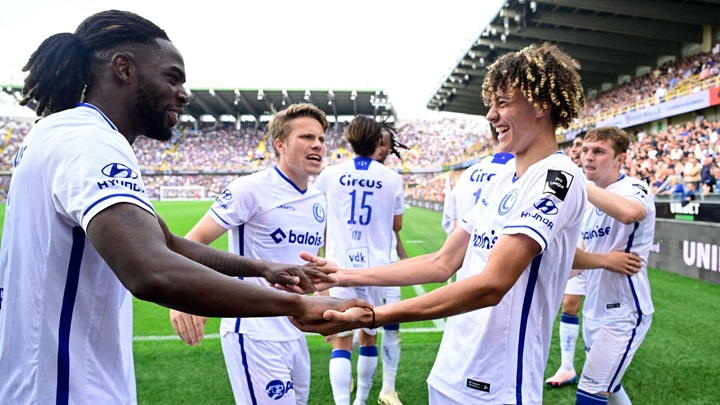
610	294
269	218
363	198
473	183
63	335
498	354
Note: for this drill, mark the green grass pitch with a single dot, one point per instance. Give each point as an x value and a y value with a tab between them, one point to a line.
677	364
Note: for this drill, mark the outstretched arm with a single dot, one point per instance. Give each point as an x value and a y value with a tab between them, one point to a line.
625	210
430	268
508	259
136	248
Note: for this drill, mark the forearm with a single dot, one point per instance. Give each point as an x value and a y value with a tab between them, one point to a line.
584	260
418	270
614	205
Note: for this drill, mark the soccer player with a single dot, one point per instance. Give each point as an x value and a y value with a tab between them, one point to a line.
513	252
365	205
390	351
474	182
618	309
569	327
80	230
271	215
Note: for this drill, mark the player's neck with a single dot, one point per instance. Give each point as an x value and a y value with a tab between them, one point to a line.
537	152
300	180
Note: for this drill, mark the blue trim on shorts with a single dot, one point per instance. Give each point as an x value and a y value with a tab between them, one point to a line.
586	398
241	340
370	351
341	354
569	319
62	392
394	326
527	302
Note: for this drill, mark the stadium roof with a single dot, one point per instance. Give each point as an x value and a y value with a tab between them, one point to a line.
259	102
610	39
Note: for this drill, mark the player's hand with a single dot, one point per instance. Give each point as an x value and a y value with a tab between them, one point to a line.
336	321
317	306
298	279
623	263
190	328
325	267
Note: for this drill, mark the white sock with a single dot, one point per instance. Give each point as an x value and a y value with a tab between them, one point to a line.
367	363
569	329
619	397
340	376
390	358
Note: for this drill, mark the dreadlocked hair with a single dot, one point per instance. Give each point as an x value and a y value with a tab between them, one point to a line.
59	70
546	76
394	143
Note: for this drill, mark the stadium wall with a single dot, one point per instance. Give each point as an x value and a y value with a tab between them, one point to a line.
684	247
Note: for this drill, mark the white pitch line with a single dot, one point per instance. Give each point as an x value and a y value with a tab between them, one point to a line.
217	336
439	323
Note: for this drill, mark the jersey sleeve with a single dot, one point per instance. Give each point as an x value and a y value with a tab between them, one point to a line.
237	203
399	205
549	203
639	191
96	176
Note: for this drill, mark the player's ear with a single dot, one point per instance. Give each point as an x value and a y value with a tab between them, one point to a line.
123	66
280	146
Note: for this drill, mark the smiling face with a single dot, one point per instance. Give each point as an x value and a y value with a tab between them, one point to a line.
515	119
160	94
576	150
601	164
302	152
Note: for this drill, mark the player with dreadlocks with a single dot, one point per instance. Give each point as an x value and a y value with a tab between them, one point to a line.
80	230
512	252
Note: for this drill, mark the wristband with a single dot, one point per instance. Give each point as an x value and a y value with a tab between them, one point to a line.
372	324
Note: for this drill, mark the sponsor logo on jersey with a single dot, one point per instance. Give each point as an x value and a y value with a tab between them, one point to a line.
478	176
286	207
478	385
1	296
119	171
319	212
546	206
276	389
640	188
130	185
484	240
507	202
558	183
598	232
536	216
349	180
297	237
484	202
226	194
612	306
357	258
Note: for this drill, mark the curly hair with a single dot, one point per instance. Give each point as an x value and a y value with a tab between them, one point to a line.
280	125
546	76
60	68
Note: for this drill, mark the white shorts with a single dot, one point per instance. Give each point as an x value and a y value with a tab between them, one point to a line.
373	295
577	284
267	372
436	397
392	295
610	346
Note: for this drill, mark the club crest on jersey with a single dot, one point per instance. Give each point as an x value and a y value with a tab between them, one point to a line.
546	206
276	389
558	183
119	171
319	212
508	202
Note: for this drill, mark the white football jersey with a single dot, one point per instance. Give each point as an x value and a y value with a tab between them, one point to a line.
498	354
269	218
63	335
473	183
363	198
610	294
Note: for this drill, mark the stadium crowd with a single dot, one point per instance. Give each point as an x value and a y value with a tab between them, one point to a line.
678	160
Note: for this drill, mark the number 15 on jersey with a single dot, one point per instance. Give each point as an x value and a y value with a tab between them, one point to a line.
360	211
